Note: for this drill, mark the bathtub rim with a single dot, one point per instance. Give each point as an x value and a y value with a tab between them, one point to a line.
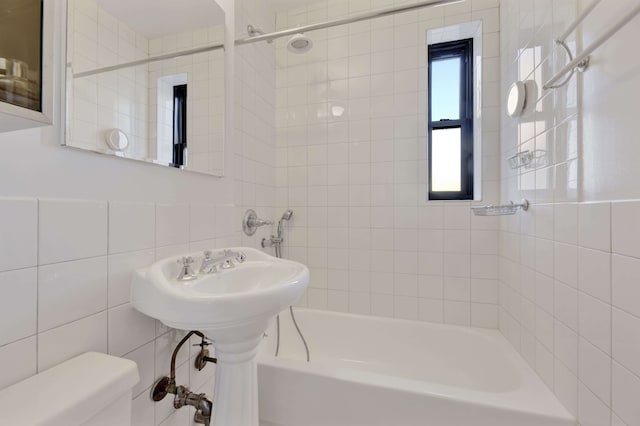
532	397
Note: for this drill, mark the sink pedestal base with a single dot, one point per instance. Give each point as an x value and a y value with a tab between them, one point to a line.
235	398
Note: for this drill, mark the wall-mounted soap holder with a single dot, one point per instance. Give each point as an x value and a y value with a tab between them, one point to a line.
502	210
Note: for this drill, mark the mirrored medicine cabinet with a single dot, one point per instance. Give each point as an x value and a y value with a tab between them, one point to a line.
145	81
26	61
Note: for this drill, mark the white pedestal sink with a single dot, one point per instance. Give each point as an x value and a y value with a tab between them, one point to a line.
232	307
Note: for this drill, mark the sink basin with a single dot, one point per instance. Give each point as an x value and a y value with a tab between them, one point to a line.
228	300
232	307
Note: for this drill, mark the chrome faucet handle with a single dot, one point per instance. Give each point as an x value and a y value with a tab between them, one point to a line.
186	272
185	261
251	222
241	257
207	254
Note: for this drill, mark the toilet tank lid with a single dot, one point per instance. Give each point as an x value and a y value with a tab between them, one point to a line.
69	393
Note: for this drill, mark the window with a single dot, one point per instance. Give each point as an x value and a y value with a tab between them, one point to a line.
179	125
450	125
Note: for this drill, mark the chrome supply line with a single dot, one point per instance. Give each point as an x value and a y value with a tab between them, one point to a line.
274	35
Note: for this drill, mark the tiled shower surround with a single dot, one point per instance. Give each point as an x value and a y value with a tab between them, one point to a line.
351	164
560	281
569	268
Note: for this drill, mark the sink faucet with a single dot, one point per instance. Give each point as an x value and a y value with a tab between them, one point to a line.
223	260
186	272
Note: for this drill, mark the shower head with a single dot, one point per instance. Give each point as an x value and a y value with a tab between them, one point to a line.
287	215
299	43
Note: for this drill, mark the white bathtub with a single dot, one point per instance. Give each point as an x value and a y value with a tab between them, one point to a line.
376	371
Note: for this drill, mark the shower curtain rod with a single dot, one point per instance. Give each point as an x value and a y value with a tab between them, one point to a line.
275	35
343	21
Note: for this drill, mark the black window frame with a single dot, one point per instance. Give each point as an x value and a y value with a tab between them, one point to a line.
464	50
179	126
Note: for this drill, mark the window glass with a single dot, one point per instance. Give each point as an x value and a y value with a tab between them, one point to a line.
445	89
445	152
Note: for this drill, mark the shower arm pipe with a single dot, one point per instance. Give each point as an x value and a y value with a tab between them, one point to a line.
343	21
270	36
593	46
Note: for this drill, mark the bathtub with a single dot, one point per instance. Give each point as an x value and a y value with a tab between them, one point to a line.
368	371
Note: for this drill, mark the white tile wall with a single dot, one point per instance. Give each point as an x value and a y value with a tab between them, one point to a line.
569	298
95	244
351	164
51	312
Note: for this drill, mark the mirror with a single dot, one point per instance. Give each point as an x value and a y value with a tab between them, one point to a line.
145	81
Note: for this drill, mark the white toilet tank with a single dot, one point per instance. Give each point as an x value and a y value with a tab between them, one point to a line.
92	389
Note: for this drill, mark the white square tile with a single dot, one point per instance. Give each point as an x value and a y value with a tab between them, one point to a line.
544	328
626	388
131	226
457	313
338	300
591	410
121	267
484	266
566	346
484	315
129	329
544	217
382	305
544	292
595	370
456	265
172	224
143	411
544	256
484	242
21	357
70	291
143	356
544	364
626	284
457	216
594	226
18	233
431	310
359	303
63	343
18	304
484	291
566	305
71	230
405	307
566	223
594	273
626	228
457	289
595	321
565	387
626	340
566	264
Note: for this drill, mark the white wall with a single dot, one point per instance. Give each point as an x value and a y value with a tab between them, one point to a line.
569	267
82	222
357	182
